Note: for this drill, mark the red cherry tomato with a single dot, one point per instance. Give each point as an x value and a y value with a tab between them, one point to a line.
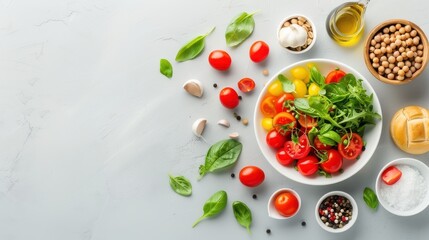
229	97
286	204
308	165
391	175
220	60
334	76
351	148
246	85
281	101
334	162
319	145
284	122
275	139
306	121
259	51
299	149
283	158
251	176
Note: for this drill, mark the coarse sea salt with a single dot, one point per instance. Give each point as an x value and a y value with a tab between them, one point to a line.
408	192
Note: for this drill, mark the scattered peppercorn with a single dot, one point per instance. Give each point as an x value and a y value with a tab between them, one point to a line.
245	121
240	97
238	118
232	175
268	231
303	223
363	148
254	196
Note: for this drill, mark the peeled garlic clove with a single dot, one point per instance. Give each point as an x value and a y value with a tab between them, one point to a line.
293	36
194	87
198	126
223	122
234	135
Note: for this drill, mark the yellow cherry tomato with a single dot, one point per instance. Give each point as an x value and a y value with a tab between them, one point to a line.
267	123
310	65
275	88
300	88
313	89
300	72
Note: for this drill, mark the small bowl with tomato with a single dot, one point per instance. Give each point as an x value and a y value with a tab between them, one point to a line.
393	183
312	127
284	204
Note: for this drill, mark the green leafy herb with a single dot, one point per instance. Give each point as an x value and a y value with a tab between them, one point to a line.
317	77
330	138
213	206
323	173
370	198
165	68
221	155
287	84
243	214
193	48
239	29
181	185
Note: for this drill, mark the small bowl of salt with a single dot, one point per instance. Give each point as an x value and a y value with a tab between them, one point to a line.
402	186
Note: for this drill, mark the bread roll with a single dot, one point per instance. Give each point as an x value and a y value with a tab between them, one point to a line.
410	129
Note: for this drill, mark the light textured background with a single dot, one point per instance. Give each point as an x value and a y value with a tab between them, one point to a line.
89	128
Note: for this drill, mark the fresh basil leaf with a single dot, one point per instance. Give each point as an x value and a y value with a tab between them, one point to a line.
242	214
287	84
193	48
370	198
181	185
325	128
317	77
239	29
333	136
213	206
165	68
326	140
312	134
221	155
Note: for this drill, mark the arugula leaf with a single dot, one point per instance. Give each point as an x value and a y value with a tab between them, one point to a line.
287	84
239	29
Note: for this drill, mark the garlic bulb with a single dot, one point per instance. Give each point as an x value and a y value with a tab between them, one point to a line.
293	36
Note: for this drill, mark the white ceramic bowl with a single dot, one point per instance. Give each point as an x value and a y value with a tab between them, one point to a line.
312	26
372	133
272	211
354	213
423	169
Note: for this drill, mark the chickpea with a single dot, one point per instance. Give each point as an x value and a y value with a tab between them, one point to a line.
391	65
416	40
398	26
400	78
404	55
385	30
402	30
413	69
420	47
395	69
391	76
405	68
403	43
387	71
377	38
383	58
409	42
401	64
399	59
407	35
373	42
407	28
396	54
375	65
392	45
386	40
398	42
377	46
392	59
385	64
383	50
383	44
381	69
397	34
294	21
408	63
375	60
377	51
413	48
420	53
410	54
413	33
418	59
409	74
371	49
392	29
371	55
401	49
401	73
388	49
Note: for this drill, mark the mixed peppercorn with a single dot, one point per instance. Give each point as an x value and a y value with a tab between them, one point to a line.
335	211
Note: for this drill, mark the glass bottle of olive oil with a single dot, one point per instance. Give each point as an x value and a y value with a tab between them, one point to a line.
345	23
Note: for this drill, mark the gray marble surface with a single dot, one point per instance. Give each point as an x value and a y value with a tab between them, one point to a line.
89	128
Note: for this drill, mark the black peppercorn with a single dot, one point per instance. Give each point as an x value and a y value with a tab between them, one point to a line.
254	196
240	98
232	175
268	231
303	223
214	85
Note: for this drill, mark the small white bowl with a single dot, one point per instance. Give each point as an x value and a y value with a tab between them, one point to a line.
313	27
354	214
272	211
422	168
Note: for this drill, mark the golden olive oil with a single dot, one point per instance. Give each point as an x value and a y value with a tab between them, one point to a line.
345	23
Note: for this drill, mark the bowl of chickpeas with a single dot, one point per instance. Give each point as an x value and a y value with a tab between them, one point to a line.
396	51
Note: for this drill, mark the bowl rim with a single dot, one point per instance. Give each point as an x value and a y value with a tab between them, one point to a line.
375	30
271	209
368	86
403	161
280	26
349	224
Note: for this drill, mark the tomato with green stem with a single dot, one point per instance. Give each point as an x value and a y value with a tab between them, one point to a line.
350	146
284	123
281	103
333	163
298	148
